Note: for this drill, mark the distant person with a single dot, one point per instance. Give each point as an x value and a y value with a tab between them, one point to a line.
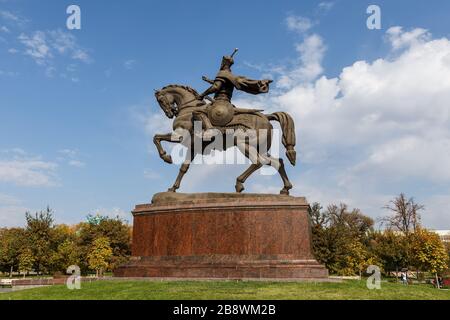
440	282
404	278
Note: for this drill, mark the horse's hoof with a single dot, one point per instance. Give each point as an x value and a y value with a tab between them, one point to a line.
167	158
284	192
172	190
239	187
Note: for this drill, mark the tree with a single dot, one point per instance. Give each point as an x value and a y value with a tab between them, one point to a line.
405	218
391	248
406	214
100	255
64	248
429	253
39	233
117	232
340	238
11	243
26	261
321	243
447	247
358	258
66	255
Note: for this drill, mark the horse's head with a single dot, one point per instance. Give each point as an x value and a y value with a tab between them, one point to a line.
173	98
166	102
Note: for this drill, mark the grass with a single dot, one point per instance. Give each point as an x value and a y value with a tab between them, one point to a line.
220	290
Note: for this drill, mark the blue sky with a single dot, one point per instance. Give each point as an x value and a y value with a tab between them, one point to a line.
77	111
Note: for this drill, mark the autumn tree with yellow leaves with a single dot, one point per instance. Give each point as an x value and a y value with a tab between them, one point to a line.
429	253
100	255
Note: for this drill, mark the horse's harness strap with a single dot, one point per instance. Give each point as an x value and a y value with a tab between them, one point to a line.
195	99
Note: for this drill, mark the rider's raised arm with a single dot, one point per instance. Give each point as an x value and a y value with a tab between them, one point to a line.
213	89
204	78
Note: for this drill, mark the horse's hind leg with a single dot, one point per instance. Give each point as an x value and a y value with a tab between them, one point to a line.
278	164
247	173
252	154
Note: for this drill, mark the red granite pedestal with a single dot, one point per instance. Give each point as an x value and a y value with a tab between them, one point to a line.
222	235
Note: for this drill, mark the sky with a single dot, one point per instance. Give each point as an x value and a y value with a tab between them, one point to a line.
77	111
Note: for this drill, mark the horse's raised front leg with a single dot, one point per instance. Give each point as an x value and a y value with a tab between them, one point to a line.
169	137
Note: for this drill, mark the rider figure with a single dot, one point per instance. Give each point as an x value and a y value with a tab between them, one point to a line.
221	86
221	111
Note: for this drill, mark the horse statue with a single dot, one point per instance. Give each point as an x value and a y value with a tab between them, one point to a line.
183	102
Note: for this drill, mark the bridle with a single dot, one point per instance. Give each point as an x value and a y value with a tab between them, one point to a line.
166	104
175	111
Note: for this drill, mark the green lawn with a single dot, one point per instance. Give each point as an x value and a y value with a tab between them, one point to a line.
186	290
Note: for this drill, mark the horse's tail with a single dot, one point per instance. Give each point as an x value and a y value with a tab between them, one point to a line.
288	129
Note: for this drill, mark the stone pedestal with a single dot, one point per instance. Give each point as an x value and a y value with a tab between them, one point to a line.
222	235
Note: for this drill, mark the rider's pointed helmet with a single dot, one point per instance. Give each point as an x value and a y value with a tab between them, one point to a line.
228	60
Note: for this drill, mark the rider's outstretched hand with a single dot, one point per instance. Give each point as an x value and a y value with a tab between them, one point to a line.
204	78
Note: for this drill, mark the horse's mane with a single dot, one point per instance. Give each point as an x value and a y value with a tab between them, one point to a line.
191	90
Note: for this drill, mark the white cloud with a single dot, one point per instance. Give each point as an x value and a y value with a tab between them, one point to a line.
6	199
151	122
263	188
196	179
71	68
71	156
12	18
151	174
436	208
410	156
309	66
69	152
37	47
82	55
8	16
62	41
382	101
298	23
401	39
50	71
4	29
382	127
77	163
8	73
25	170
326	5
12	213
129	64
12	216
44	46
113	213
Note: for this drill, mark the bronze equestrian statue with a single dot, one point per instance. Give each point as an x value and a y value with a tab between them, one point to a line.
223	118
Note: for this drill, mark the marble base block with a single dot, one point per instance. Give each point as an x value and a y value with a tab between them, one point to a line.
222	235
